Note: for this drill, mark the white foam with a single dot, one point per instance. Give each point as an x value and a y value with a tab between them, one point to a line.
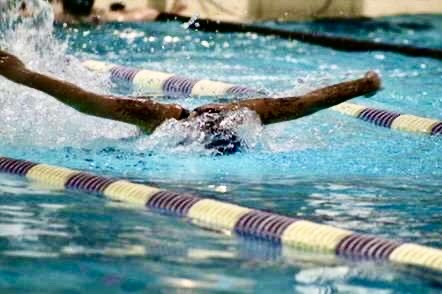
186	136
29	117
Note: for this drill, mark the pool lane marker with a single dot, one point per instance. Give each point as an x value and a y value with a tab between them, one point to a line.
390	119
275	229
167	83
340	43
176	86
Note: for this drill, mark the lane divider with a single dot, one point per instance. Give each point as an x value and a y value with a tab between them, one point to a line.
327	40
390	119
176	86
167	83
278	230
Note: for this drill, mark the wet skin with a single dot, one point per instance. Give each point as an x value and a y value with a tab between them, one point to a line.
148	114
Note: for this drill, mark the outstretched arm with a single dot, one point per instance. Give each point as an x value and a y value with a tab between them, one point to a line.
144	113
272	110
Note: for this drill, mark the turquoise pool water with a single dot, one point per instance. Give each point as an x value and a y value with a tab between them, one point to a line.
327	167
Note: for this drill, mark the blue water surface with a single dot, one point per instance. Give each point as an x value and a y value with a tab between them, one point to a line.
327	167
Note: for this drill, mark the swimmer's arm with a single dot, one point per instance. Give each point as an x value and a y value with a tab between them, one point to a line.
144	113
271	110
290	108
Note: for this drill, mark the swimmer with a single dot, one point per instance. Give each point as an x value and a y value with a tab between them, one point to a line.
148	114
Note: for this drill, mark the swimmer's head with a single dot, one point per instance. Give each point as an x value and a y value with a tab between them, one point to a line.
218	129
78	7
219	137
220	133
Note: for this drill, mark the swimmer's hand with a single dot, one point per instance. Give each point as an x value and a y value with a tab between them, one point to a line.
12	68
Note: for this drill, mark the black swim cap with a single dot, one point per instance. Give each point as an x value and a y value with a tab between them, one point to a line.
220	138
224	142
78	7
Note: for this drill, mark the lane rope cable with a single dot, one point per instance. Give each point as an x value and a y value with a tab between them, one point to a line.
325	40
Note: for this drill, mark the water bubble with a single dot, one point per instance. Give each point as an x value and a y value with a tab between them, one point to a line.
191	21
379	56
205	44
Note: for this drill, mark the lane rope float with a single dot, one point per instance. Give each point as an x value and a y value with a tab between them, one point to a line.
168	84
176	86
390	119
278	230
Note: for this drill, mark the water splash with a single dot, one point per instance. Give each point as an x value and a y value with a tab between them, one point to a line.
31	29
32	118
187	136
192	21
31	38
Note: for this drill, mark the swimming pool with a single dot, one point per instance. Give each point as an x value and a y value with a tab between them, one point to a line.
327	168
